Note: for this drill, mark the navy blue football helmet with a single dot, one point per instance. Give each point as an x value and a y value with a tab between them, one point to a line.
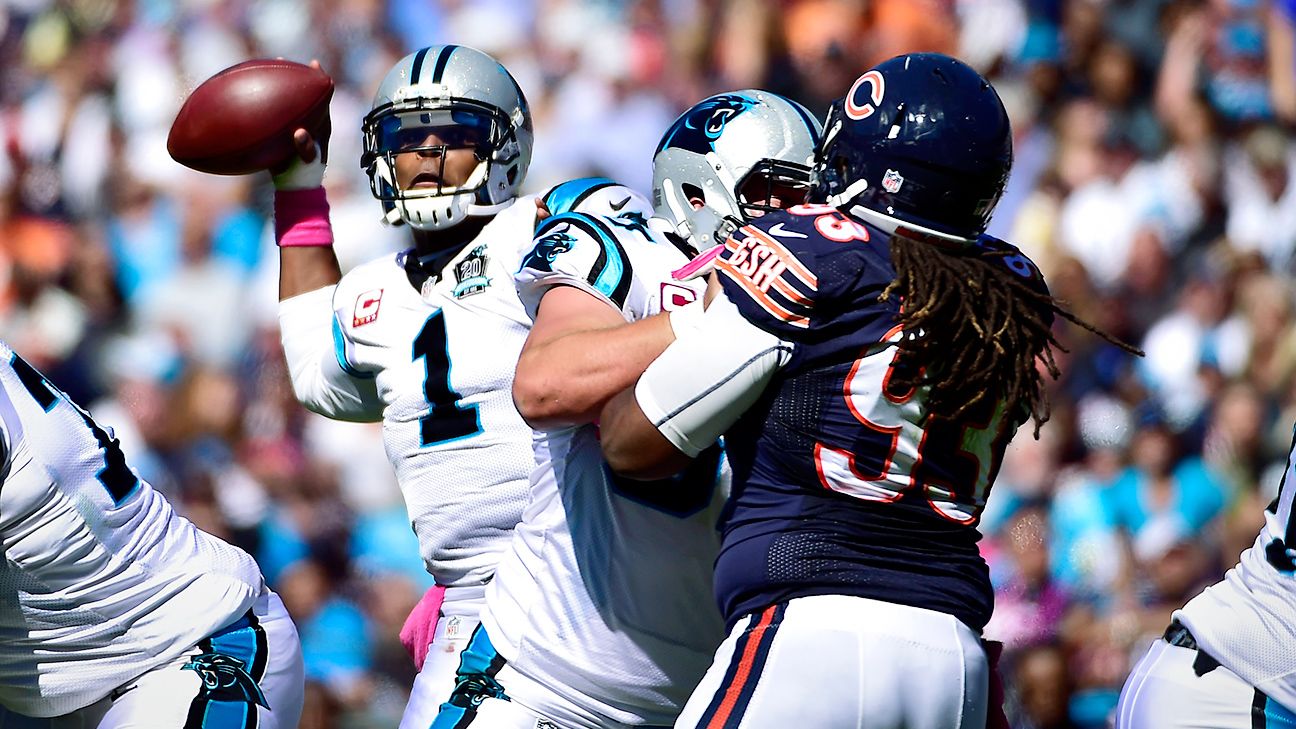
922	139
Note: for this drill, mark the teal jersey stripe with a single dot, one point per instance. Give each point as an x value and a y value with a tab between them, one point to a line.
339	351
611	273
564	198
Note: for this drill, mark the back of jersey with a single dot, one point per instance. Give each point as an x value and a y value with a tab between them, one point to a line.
1247	621
101	581
607	590
841	485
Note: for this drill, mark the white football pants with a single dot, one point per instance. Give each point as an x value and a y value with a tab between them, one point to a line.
832	661
248	675
492	695
1165	692
459	618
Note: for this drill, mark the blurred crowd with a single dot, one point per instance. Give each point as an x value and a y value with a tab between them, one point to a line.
1155	183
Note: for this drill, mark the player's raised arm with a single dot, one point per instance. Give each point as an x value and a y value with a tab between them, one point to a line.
307	261
234	124
308	275
578	355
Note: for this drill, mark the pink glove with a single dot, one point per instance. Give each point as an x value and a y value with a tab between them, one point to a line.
416	634
995	717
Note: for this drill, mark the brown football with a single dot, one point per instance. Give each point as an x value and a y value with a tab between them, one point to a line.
241	120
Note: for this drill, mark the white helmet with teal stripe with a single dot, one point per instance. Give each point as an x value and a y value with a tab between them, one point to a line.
448	89
731	151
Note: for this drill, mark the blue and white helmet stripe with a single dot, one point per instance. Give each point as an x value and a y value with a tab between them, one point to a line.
595	196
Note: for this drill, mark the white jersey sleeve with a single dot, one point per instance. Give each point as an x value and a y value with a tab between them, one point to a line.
318	349
589	253
709	376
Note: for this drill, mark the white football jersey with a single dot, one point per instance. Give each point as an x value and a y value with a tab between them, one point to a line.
606	594
438	364
1247	621
102	581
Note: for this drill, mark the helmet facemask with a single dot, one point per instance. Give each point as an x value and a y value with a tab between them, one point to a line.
772	185
435	128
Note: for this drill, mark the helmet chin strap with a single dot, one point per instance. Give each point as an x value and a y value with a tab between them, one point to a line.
475	211
840	200
439	212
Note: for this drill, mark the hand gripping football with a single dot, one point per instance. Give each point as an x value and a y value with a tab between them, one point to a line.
242	119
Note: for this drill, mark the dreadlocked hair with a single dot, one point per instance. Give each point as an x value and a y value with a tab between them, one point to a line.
973	330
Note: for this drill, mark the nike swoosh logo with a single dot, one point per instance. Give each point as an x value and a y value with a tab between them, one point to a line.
782	232
616	207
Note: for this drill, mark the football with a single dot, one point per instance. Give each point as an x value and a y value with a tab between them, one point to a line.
242	119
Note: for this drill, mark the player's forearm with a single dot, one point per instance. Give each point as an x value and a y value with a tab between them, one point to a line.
567	381
302	270
632	446
306	258
690	395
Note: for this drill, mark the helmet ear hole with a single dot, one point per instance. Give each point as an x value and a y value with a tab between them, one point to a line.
693	193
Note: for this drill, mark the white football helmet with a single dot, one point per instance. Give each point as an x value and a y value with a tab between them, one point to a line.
721	150
468	99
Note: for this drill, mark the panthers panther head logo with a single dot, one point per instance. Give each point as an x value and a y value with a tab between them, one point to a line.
225	678
699	127
547	249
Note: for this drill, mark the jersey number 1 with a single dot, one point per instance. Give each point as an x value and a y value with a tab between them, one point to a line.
448	420
117	477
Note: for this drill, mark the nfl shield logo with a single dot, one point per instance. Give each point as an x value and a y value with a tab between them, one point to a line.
892	181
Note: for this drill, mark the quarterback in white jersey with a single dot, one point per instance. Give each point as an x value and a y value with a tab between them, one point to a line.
426	341
1228	659
117	611
601	613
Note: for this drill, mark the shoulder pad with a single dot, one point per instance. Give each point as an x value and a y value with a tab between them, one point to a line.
576	249
595	196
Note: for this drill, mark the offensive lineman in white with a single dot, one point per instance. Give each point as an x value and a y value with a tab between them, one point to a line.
117	611
1228	659
426	341
589	623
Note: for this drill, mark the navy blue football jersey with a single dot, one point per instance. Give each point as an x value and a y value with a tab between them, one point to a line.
841	486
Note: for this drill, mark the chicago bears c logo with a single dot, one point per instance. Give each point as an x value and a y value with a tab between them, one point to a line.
225	678
547	249
698	129
859	108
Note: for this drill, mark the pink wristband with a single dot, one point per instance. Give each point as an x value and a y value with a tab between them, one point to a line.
301	218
